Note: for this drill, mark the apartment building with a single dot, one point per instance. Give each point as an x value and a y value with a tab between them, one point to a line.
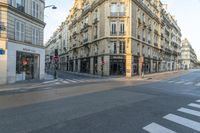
21	39
122	37
58	44
188	56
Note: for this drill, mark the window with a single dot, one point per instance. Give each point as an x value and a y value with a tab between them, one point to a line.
113	9
121	28
122	9
113	47
19	30
35	9
113	28
35	36
122	47
20	5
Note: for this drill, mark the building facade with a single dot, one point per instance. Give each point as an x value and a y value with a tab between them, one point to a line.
21	40
188	56
121	37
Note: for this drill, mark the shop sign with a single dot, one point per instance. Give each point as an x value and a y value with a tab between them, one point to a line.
29	50
117	57
2	52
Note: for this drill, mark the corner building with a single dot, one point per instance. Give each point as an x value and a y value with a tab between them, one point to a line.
22	40
119	37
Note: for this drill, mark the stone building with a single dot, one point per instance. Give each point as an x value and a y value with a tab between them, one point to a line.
21	39
188	56
58	43
121	37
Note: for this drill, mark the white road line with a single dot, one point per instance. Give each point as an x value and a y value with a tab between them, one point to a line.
189	111
188	83
70	80
183	121
198	101
156	128
51	81
194	105
65	82
198	84
179	82
171	81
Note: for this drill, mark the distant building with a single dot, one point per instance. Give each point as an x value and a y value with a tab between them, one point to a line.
188	56
21	37
117	37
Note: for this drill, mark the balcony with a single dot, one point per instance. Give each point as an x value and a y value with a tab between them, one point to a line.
122	14
113	33
20	7
122	33
113	14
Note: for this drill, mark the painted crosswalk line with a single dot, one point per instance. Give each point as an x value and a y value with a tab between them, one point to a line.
198	84
188	83
198	101
183	121
179	82
189	111
194	105
156	128
171	81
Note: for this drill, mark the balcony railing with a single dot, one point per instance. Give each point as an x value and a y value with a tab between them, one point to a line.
113	33
121	33
113	14
122	13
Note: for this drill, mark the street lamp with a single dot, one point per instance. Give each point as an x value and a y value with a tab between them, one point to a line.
52	6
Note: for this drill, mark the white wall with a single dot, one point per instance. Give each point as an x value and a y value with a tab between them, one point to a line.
12	49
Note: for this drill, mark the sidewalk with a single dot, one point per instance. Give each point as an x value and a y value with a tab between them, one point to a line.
48	77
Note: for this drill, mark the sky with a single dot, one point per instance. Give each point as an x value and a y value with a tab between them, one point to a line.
187	13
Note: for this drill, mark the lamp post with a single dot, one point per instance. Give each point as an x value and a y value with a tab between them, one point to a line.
52	6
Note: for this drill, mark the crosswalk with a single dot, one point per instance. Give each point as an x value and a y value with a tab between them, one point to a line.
183	82
176	119
74	81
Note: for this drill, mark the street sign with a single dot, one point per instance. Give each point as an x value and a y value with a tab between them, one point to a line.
2	52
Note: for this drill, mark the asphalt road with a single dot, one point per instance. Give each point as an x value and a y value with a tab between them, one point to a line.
135	106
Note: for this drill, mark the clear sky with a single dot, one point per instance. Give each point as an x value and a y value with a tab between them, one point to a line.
187	13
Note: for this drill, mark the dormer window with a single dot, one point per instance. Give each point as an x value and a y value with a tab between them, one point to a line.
20	4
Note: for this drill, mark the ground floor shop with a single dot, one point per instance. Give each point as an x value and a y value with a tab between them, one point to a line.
24	62
114	65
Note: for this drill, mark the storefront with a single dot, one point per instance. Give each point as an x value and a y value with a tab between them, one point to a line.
85	65
95	65
135	65
27	66
147	65
25	62
117	65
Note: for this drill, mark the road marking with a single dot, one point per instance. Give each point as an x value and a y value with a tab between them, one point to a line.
198	101
65	82
194	105
183	121
171	81
189	111
70	80
188	83
51	81
156	128
179	82
57	83
198	84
